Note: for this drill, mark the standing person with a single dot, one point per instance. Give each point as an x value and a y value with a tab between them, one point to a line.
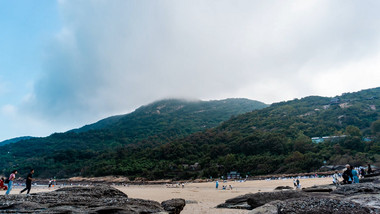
369	170
28	182
12	177
336	178
355	177
298	183
347	175
50	182
217	184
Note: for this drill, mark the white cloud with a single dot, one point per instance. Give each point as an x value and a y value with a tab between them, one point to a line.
112	56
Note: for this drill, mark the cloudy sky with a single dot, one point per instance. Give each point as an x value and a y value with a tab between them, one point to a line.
67	63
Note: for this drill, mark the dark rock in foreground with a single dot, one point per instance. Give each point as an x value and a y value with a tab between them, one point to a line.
351	189
95	199
352	198
174	206
253	200
317	205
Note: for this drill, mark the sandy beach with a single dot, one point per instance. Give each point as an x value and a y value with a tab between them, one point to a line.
203	197
200	197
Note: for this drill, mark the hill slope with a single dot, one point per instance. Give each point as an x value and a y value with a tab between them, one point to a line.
65	154
276	139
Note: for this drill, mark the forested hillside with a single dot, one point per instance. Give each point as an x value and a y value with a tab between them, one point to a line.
156	142
276	139
66	154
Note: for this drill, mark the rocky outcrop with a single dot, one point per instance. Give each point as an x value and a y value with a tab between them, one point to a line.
94	199
352	189
353	198
317	205
253	200
239	202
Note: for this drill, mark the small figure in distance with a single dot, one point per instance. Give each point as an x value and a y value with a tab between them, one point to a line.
28	182
369	169
50	183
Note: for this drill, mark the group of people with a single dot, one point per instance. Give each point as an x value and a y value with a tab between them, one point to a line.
352	174
12	178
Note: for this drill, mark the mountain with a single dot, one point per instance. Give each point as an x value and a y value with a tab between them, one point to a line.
65	154
181	140
276	139
15	140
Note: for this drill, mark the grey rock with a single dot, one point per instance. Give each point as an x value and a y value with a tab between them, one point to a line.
324	188
362	188
174	206
265	209
317	205
261	198
94	199
283	188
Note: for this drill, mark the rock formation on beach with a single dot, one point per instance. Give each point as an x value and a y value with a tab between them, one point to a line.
351	198
94	199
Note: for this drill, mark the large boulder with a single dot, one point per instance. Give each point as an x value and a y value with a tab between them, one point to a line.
93	199
174	206
261	198
253	200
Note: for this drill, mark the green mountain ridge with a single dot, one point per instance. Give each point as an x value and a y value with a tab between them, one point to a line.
276	139
65	154
180	139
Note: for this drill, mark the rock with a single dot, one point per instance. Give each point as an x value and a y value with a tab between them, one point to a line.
94	199
250	201
324	188
174	206
265	209
283	187
261	198
239	202
372	179
316	205
372	175
368	200
352	189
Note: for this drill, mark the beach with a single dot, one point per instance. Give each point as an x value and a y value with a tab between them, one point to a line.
200	197
203	197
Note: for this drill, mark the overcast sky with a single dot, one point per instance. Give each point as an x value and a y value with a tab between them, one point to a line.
67	63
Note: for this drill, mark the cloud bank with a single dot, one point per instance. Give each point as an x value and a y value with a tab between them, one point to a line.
113	56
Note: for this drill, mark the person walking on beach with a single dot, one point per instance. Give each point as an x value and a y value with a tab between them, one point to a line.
217	184
12	177
28	182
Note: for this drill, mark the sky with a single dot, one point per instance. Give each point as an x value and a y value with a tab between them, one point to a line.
68	63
